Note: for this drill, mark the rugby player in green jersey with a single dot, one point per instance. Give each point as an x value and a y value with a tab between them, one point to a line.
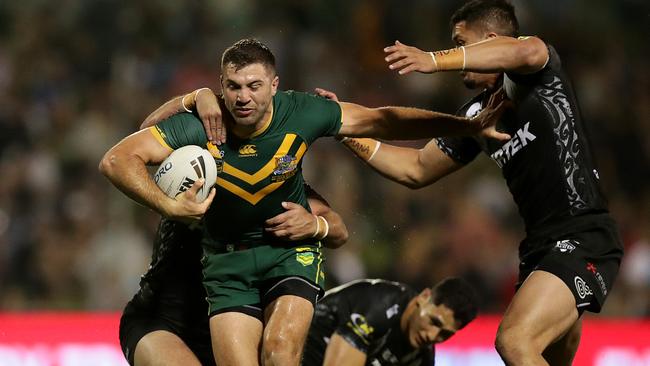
261	290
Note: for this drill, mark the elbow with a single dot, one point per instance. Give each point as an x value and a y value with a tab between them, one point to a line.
416	181
533	54
413	185
107	164
344	236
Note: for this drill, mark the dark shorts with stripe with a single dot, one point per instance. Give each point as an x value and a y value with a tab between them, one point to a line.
247	280
586	261
185	317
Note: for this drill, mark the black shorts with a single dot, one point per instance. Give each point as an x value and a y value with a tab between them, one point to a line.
187	320
587	262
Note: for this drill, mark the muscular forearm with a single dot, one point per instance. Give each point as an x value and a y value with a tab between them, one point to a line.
398	164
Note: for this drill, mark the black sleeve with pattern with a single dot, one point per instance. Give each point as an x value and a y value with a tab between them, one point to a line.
461	149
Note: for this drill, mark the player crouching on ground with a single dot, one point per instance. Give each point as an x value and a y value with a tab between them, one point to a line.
378	322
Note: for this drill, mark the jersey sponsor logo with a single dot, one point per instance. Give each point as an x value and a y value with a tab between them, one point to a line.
360	326
519	141
581	287
247	151
601	281
566	246
285	168
392	311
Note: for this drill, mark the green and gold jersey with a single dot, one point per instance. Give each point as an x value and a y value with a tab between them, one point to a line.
256	174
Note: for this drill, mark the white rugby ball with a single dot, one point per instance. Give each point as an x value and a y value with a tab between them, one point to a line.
183	167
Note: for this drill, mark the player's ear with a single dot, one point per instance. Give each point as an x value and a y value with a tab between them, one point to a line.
491	35
274	84
424	296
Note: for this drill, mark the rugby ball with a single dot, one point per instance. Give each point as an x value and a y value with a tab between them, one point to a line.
183	167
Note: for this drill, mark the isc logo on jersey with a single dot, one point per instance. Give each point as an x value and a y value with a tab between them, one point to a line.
185	166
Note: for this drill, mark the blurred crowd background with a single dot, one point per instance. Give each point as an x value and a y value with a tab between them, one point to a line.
76	76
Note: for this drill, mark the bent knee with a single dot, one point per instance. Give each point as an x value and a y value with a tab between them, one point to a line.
514	343
279	351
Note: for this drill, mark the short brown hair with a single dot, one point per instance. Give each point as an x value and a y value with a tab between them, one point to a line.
248	51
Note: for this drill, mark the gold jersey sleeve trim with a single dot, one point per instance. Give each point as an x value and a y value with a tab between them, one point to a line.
160	136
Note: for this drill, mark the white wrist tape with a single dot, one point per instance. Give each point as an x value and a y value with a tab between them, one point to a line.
317	226
327	227
183	103
433	57
464	58
375	151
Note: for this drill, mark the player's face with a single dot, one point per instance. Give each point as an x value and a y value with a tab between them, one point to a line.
248	92
463	35
430	323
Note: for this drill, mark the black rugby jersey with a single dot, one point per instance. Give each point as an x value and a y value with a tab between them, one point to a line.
548	164
367	314
174	274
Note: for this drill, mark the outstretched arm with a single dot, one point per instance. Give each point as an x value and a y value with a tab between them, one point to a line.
403	123
410	167
523	55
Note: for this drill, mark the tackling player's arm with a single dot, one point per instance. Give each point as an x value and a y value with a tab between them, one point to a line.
207	106
410	167
404	123
340	352
125	166
523	55
296	223
414	168
337	231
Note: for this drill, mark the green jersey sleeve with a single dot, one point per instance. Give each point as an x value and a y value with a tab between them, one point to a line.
180	130
319	117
